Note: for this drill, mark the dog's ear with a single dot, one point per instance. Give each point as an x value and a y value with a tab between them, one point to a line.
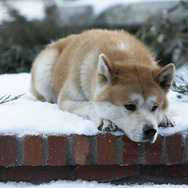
164	77
103	70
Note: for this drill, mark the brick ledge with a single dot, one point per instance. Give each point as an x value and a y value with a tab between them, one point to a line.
99	157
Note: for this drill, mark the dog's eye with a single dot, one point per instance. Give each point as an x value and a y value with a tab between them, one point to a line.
131	107
154	108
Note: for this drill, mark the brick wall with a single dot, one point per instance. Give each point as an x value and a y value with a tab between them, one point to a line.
104	157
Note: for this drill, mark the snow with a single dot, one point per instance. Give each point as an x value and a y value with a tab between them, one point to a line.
85	184
177	107
28	116
31	9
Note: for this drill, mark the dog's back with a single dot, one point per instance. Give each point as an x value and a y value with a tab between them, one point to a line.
73	61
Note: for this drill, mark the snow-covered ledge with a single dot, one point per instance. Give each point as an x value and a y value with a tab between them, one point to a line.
39	142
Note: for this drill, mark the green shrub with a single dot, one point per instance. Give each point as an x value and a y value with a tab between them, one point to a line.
167	39
21	40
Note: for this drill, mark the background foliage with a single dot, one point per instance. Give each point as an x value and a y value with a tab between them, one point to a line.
21	40
167	39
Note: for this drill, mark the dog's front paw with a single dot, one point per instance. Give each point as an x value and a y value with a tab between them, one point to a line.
167	121
106	125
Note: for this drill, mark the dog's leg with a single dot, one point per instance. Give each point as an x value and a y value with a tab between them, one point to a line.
86	109
167	121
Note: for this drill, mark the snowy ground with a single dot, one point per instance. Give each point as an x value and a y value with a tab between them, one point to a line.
85	184
28	116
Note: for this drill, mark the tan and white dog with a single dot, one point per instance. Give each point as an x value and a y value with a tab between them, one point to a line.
109	77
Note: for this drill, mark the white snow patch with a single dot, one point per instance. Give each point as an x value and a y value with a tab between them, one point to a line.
85	184
28	116
178	107
31	9
121	45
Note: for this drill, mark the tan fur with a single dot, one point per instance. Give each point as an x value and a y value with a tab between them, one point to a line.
74	74
72	56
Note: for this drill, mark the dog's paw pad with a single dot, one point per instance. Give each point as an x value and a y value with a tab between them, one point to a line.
168	121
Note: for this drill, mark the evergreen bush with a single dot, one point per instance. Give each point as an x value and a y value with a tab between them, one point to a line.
21	40
167	39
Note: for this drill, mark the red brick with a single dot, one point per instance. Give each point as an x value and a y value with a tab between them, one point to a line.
106	149
33	150
130	153
35	174
57	150
175	148
81	149
104	172
164	171
154	151
8	149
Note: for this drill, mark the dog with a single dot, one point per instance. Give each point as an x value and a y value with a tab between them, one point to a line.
109	77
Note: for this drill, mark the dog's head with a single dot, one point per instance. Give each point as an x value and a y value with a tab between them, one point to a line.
133	96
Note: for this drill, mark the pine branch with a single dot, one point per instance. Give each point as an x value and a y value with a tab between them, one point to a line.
7	98
182	89
181	86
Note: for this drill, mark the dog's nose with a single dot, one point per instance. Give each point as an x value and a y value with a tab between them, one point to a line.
149	132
